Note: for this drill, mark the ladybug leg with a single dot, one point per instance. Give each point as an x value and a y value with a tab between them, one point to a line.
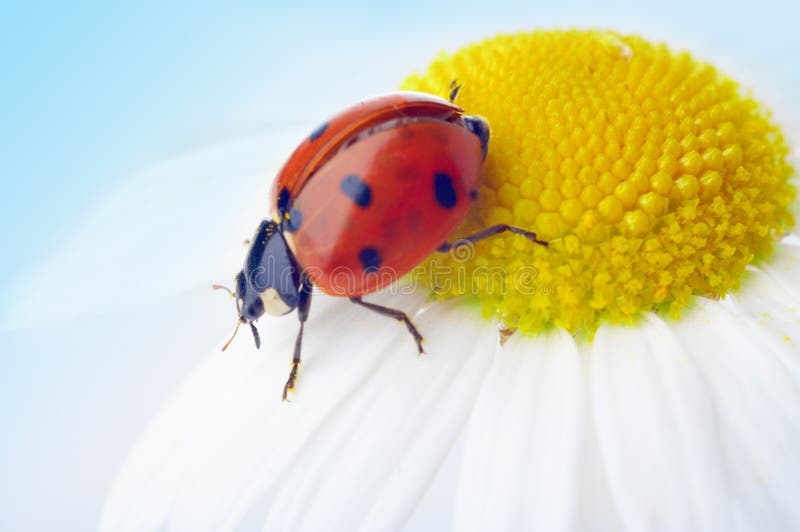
302	313
455	86
486	233
399	315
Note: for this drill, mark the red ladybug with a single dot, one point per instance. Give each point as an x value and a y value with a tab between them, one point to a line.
365	198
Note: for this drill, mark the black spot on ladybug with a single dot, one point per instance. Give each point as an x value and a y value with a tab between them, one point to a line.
444	191
283	200
355	189
317	133
295	220
370	259
473	194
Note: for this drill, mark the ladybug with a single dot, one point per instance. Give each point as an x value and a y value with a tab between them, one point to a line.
362	200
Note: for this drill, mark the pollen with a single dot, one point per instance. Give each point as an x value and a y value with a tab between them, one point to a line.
653	177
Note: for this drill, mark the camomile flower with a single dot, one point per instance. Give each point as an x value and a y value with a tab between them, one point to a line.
639	373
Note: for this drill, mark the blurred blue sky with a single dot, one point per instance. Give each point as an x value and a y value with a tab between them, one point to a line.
95	96
94	92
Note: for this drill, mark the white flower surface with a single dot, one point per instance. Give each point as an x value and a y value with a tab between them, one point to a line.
668	425
689	425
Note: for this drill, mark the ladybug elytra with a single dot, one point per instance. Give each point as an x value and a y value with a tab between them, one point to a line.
361	201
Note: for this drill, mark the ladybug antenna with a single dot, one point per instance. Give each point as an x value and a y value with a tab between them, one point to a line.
239	321
236	330
220	287
256	336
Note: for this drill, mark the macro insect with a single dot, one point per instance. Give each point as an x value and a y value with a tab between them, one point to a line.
362	200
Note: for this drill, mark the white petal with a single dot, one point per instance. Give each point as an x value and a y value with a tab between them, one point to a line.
678	426
758	410
518	470
367	428
223	397
373	459
770	300
657	431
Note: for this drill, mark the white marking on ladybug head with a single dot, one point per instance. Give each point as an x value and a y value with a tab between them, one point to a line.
273	303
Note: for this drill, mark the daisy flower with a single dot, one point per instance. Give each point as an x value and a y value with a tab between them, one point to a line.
645	375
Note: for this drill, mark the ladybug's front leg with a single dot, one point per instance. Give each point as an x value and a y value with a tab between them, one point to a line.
302	313
486	233
399	315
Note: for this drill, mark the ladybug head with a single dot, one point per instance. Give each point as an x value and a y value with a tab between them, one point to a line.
479	126
270	280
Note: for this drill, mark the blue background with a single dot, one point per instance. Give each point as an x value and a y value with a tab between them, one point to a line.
95	94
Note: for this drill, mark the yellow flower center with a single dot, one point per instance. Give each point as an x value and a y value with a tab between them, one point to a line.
648	172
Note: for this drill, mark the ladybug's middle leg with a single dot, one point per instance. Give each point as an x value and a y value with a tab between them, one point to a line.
486	233
399	315
302	313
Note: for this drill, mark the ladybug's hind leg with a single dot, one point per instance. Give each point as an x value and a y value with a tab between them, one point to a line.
486	233
302	313
399	315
